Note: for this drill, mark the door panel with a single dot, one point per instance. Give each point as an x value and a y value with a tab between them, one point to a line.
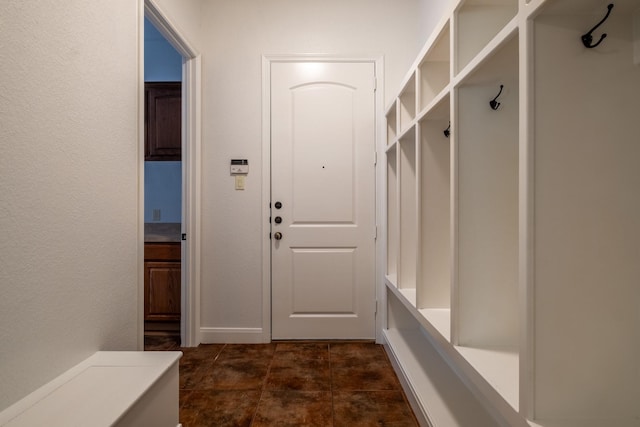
323	154
322	151
323	281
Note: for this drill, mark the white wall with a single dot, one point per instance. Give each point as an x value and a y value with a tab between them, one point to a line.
68	186
234	35
184	16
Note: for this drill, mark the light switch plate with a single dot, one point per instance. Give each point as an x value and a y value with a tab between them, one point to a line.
240	182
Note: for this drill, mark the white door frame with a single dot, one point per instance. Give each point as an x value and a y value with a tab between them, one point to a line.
191	177
267	60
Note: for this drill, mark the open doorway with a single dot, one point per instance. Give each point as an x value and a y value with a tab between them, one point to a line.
162	190
179	275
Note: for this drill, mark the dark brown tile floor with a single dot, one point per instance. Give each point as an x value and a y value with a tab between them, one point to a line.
335	383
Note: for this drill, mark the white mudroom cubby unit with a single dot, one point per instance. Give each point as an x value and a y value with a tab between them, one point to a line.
513	217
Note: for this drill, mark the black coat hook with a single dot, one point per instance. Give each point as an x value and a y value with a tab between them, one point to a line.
587	39
447	131
494	104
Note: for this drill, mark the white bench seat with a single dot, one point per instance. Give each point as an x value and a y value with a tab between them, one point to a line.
108	389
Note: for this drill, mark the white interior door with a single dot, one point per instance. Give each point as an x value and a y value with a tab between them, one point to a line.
323	199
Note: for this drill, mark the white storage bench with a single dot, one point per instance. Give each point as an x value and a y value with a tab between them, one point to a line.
122	389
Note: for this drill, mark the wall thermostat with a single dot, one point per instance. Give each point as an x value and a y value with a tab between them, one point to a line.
239	166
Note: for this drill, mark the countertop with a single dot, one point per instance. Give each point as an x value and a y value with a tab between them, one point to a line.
162	232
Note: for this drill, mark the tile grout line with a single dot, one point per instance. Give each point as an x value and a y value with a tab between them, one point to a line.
333	412
264	386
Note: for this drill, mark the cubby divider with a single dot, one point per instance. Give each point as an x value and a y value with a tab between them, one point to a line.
392	123
408	215
392	215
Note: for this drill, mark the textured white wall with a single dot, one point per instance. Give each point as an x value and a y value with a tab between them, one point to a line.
234	35
68	186
184	16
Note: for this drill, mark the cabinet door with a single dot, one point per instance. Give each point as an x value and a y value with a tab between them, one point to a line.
162	290
163	119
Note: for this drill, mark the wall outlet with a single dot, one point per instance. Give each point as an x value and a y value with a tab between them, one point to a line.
156	215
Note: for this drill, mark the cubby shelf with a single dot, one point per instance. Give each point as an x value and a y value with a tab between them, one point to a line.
407	104
552	161
477	22
434	72
485	371
441	401
408	132
391	280
495	368
499	367
407	298
436	102
508	32
440	319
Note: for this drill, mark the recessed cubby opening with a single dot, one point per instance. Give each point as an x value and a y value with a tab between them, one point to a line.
434	289
486	310
392	215
408	215
587	210
407	104
392	124
434	71
441	396
477	22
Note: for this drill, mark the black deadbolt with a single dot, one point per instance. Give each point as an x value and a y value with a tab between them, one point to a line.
278	205
278	220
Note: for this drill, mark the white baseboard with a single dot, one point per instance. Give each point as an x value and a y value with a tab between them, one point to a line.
233	336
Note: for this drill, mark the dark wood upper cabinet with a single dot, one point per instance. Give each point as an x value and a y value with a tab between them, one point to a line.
163	120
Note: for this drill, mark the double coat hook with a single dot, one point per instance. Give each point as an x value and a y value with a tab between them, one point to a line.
587	39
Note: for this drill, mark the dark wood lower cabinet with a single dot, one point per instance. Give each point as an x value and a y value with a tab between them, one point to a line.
162	278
